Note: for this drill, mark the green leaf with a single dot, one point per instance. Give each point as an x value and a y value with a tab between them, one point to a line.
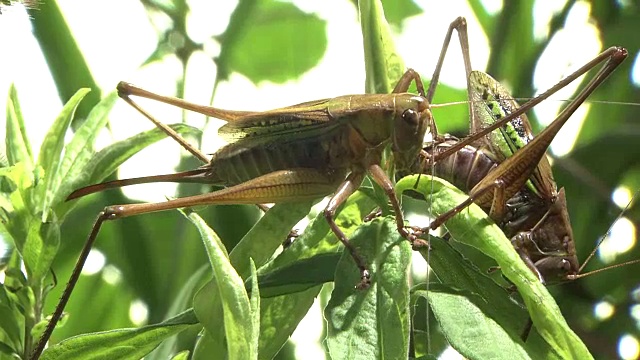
51	149
120	344
396	11
40	248
468	328
205	346
383	64
180	303
183	355
497	303
18	215
284	313
255	310
36	242
472	227
267	235
14	278
452	269
106	161
298	276
78	152
229	288
248	45
371	323
16	141
259	245
317	237
8	350
12	323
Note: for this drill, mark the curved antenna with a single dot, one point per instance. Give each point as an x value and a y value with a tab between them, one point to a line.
595	249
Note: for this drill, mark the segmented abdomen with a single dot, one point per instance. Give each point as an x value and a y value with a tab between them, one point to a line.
464	169
245	160
468	166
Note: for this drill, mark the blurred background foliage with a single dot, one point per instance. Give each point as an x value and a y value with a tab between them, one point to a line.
150	258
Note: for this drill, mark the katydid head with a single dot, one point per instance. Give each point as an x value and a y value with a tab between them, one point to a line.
555	269
553	239
551	256
563	265
410	123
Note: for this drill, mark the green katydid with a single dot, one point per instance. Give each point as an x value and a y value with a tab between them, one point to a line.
504	168
505	171
536	217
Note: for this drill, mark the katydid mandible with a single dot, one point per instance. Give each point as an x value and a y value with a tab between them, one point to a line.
301	152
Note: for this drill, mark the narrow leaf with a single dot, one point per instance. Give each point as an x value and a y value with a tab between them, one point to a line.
8	350
258	244
229	288
120	344
106	161
16	141
298	276
13	321
51	149
41	247
254	302
78	152
383	64
21	215
267	235
454	270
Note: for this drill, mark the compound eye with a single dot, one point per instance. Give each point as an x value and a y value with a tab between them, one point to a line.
565	265
410	116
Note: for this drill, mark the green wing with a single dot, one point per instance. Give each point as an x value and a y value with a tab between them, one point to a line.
491	102
308	116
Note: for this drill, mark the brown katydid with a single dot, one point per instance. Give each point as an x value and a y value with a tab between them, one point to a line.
301	152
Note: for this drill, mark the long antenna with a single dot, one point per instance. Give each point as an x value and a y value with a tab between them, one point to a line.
606	234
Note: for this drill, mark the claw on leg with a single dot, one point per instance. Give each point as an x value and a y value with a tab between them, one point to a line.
412	234
291	237
365	280
372	215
